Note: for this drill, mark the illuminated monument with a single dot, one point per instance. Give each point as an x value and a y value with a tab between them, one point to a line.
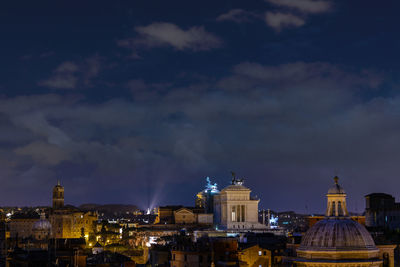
205	198
235	209
337	240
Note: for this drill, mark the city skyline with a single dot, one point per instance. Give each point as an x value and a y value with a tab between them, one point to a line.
127	103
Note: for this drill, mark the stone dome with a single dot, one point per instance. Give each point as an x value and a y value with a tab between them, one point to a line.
41	225
338	234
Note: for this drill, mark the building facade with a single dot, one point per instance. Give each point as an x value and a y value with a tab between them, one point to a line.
21	224
235	209
382	211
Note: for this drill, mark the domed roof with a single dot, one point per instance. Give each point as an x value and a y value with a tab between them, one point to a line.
42	224
339	234
336	188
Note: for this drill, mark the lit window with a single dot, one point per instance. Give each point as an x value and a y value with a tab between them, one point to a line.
259	253
233	214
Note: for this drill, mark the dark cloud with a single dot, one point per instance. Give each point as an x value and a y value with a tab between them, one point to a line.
64	77
279	20
160	34
237	15
296	14
70	75
305	6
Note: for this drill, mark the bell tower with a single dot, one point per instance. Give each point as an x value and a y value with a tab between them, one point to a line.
336	197
58	196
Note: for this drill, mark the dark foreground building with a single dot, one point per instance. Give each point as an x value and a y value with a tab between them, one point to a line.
381	211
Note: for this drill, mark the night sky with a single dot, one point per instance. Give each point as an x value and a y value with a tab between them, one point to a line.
138	101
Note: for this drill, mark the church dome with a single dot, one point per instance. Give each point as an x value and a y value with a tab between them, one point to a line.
338	234
42	224
337	238
336	188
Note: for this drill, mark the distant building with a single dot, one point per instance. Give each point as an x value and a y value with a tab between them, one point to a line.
235	209
290	220
183	215
166	214
382	211
21	224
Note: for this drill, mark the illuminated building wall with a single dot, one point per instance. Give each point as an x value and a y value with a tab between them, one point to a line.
255	256
70	224
184	216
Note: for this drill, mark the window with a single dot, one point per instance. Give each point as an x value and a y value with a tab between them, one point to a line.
233	217
185	257
259	253
265	253
201	258
340	213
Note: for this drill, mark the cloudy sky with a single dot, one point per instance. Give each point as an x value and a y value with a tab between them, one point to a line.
138	101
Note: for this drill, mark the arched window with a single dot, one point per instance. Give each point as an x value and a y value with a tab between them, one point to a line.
340	211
